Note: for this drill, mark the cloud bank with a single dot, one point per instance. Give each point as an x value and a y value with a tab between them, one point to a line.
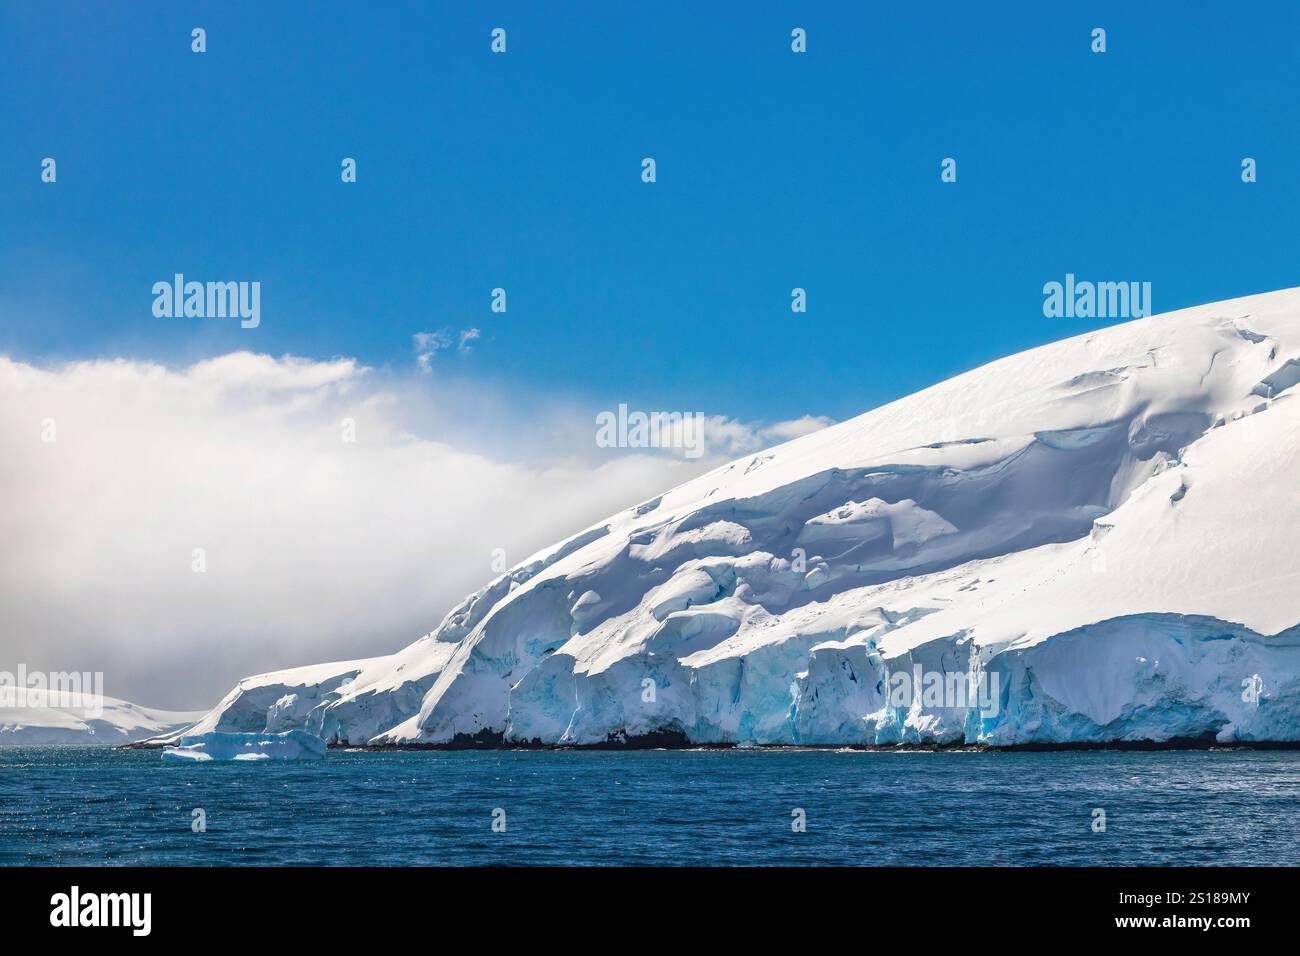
180	528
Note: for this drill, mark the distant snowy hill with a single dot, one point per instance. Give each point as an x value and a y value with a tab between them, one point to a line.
119	723
1101	532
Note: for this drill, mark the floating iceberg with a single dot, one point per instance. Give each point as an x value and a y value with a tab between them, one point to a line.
1099	535
219	745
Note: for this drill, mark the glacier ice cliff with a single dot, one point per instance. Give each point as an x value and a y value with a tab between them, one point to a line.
1103	529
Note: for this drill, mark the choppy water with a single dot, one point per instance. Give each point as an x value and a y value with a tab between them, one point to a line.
89	806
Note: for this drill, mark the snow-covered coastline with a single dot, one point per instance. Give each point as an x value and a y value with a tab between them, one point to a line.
65	721
1099	531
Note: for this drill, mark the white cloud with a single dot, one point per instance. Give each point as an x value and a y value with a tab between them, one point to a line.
731	438
795	428
316	548
429	344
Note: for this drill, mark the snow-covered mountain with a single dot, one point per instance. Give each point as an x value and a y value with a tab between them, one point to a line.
73	720
1101	533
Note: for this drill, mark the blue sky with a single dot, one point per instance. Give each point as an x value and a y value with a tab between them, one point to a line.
775	170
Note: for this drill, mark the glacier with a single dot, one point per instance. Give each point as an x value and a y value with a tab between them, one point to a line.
1103	529
84	720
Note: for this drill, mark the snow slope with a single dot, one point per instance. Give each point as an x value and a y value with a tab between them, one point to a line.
1102	529
75	721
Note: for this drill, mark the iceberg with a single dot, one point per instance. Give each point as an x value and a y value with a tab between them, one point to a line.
1100	532
290	745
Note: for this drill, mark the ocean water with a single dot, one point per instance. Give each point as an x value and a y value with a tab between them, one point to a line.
94	806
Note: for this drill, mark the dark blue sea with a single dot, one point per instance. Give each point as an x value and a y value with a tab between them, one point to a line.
95	806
